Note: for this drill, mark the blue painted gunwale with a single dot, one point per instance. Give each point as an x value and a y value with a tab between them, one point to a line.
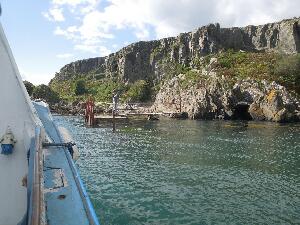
76	207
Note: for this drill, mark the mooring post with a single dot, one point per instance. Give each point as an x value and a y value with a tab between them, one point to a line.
114	121
115	99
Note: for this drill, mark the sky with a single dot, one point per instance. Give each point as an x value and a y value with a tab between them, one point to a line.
45	35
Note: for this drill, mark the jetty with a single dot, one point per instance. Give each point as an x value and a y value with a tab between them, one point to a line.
121	118
109	118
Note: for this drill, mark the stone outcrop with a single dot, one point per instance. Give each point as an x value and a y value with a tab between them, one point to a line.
212	99
143	60
275	106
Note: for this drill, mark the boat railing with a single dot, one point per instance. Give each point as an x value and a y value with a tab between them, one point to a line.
35	202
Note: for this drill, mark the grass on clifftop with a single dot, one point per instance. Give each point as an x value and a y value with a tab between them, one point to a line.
283	69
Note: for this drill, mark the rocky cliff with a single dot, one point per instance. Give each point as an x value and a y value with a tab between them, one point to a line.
145	60
210	73
212	99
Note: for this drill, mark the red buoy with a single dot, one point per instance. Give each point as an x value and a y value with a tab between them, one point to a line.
89	112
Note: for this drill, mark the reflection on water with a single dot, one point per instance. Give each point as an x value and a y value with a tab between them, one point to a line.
191	172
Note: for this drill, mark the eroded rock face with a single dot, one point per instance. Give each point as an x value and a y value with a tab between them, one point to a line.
276	106
248	99
143	60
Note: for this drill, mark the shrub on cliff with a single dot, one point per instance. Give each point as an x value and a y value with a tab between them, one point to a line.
230	58
103	89
80	87
29	87
139	91
45	93
287	69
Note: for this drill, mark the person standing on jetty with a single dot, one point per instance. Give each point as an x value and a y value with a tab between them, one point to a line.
116	96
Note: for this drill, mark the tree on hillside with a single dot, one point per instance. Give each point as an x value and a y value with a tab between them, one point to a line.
80	88
139	91
45	93
29	87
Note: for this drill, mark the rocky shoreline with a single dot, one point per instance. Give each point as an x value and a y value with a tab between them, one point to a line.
247	100
210	100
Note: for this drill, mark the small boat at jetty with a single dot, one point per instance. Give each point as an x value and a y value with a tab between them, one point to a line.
40	183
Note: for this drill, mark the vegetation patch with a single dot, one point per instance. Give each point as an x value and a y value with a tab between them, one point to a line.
283	69
139	91
287	71
80	87
191	78
230	65
45	93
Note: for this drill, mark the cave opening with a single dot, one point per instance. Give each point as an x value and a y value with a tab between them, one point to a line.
241	112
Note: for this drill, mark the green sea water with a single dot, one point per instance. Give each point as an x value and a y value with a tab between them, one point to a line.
190	172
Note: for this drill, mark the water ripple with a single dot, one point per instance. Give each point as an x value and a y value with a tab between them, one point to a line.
191	172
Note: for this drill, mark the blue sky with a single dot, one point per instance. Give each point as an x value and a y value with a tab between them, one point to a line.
47	34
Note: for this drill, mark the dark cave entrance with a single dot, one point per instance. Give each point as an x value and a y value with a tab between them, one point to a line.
241	112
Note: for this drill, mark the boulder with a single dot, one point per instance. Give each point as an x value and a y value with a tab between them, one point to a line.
273	108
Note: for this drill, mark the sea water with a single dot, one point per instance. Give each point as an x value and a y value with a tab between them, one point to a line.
190	172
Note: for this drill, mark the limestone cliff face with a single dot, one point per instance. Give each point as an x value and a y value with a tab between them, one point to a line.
212	99
143	60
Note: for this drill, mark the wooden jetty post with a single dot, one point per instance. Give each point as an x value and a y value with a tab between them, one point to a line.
114	121
115	100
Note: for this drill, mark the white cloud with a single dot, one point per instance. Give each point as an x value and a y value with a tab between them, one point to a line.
77	7
55	14
95	49
169	18
90	33
64	56
142	34
36	78
94	27
75	3
59	31
163	17
69	33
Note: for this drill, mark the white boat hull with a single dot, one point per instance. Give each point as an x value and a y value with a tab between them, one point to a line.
17	112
